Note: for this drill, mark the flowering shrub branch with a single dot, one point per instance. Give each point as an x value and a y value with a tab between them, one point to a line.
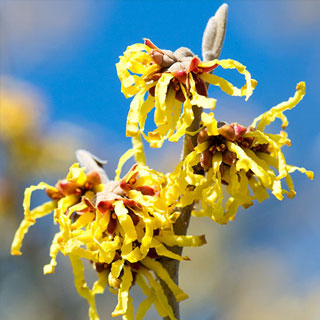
133	229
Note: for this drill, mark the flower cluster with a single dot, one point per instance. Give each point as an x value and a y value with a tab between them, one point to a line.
122	227
241	158
173	81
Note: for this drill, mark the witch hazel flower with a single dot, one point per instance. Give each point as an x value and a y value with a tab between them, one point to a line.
172	82
247	160
122	227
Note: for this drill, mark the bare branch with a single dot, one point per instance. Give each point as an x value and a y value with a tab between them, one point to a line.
212	43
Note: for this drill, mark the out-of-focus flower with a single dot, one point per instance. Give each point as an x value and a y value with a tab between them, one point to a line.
173	81
28	146
19	112
122	227
240	158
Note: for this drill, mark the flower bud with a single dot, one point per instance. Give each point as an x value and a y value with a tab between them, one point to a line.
105	205
239	130
181	75
93	179
202	136
206	159
229	157
157	57
148	43
54	194
146	190
112	225
228	132
193	64
66	187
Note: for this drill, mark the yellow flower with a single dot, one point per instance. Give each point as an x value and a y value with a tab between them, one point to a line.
122	227
172	81
241	159
19	110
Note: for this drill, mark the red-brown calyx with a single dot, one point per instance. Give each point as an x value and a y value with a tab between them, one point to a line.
227	132
180	64
65	187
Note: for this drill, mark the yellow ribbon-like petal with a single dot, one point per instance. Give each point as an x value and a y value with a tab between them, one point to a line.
226	86
123	292
82	287
277	112
30	220
162	273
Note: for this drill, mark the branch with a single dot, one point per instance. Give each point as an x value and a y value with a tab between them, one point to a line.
212	43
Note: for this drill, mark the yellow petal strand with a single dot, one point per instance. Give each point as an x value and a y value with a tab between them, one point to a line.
136	61
82	287
291	194
27	222
277	190
234	185
283	172
130	255
137	145
146	304
192	159
185	119
182	241
231	209
226	86
132	127
27	196
162	273
77	175
125	222
129	315
123	292
175	112
73	247
260	192
147	238
245	162
54	249
165	308
146	107
309	174
210	122
77	207
160	99
83	220
100	285
138	47
277	112
124	158
163	251
244	190
116	268
199	100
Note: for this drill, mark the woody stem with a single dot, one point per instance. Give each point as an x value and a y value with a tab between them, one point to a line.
181	225
212	42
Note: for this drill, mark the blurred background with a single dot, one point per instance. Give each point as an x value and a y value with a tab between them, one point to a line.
59	91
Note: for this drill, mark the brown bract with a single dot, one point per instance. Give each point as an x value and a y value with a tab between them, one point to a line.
180	63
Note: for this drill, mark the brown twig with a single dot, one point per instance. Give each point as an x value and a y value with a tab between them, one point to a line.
212	43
